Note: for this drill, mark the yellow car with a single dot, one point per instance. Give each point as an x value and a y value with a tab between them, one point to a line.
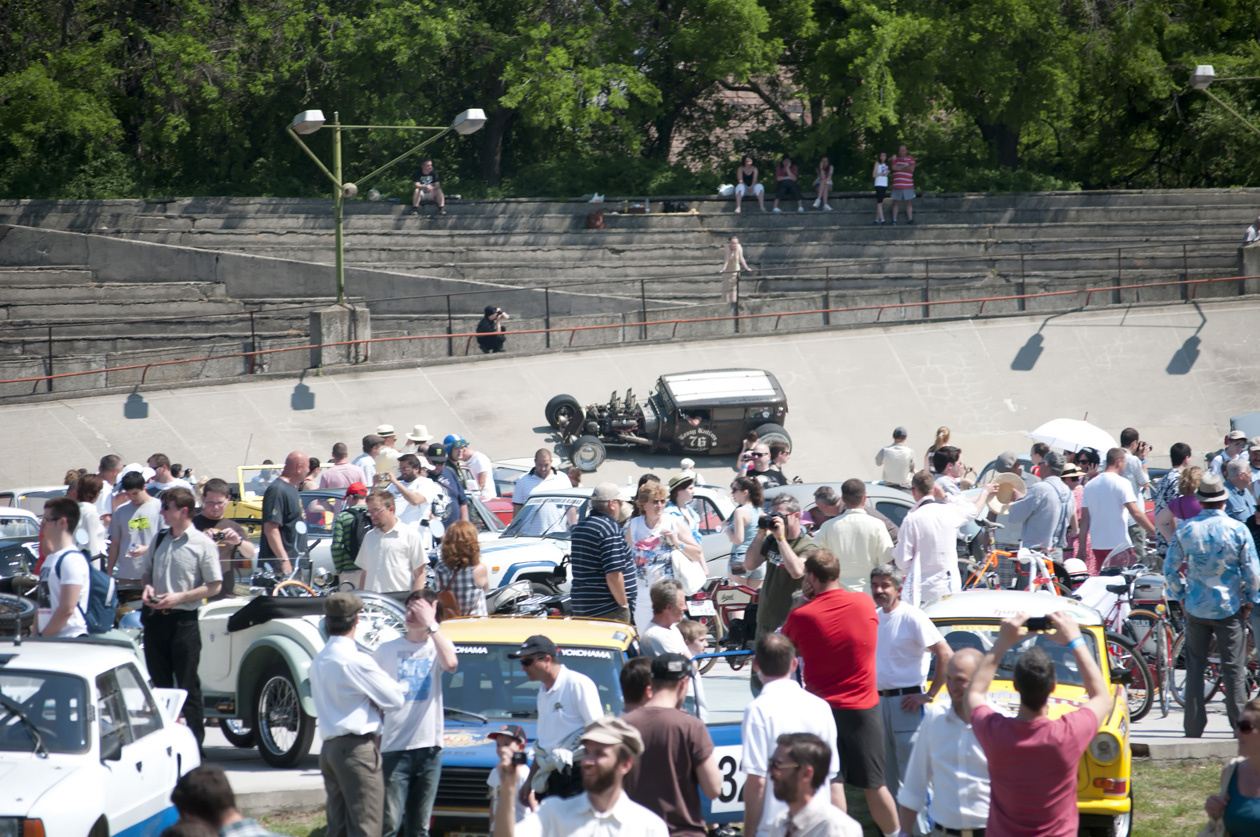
1104	794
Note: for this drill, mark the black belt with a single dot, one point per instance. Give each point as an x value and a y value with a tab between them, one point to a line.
186	614
362	736
960	832
910	690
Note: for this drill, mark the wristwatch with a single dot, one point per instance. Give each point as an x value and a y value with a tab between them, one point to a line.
434	628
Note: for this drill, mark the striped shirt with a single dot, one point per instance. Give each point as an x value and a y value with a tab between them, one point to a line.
903	178
598	547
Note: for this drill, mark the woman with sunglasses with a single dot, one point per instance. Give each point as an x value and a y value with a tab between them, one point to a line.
742	527
1238	804
653	536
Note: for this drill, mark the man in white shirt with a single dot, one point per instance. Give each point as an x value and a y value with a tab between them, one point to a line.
612	747
567	702
366	461
413	494
411	743
859	541
63	579
947	764
350	692
798	769
475	467
781	707
1103	505
906	637
542	478
1235	444
387	456
110	470
926	549
392	555
162	476
669	606
1135	472
132	528
897	460
951	471
512	738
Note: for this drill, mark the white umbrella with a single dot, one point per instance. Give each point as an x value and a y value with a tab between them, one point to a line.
1073	434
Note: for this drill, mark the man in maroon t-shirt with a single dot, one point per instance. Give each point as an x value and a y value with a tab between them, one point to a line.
1033	761
836	632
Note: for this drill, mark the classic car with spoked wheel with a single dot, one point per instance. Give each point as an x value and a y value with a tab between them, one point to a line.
255	666
702	413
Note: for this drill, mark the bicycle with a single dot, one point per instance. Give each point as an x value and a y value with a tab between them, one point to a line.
1212	672
729	611
1147	628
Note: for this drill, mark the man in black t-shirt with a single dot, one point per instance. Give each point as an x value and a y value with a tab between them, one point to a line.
490	330
428	187
281	511
235	549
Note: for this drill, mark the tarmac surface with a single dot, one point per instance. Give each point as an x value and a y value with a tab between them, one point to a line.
261	789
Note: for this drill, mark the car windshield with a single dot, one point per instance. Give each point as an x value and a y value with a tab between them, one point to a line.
488	683
319	507
982	637
55	703
19	527
547	517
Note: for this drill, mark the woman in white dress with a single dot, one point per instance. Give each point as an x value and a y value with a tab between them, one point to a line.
653	536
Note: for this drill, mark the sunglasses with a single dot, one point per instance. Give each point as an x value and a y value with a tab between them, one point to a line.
1246	726
526	662
777	765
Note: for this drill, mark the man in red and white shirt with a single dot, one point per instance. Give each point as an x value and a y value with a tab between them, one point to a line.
903	183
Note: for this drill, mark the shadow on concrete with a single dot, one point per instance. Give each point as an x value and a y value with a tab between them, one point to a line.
303	398
1029	353
1186	356
135	407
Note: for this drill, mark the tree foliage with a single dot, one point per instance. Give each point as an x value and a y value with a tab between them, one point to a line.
129	98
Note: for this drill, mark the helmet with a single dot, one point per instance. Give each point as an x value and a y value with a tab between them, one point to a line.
131	620
455	440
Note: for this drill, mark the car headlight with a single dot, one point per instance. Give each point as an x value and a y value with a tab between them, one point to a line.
21	827
1105	748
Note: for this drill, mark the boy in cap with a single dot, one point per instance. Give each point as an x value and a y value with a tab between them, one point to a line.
350	692
678	748
610	749
452	504
567	702
511	737
349	527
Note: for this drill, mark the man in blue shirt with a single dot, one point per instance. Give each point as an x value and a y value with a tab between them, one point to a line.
1222	582
1241	504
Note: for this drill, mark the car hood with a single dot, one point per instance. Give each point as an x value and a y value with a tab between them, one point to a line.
464	743
1004	699
25	778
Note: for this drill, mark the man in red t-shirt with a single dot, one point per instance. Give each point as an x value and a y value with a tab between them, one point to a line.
1033	761
836	632
902	183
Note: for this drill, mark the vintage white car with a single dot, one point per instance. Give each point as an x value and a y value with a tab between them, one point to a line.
87	748
255	666
535	545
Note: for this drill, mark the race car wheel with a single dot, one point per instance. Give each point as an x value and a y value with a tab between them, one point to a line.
563	412
588	453
283	728
16	613
237	732
771	433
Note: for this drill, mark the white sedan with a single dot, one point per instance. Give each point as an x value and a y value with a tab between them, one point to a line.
87	748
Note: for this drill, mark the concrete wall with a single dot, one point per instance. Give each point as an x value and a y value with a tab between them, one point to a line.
1177	373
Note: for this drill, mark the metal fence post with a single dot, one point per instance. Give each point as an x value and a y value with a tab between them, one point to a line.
547	316
927	290
50	359
1023	287
450	341
253	342
1116	295
1185	273
827	299
643	329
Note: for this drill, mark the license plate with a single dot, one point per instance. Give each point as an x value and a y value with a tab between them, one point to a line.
704	608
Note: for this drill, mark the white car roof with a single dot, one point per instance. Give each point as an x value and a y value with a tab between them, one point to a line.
704	387
15	512
80	657
999	604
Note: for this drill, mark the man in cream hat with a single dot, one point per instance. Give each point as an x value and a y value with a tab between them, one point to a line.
418	438
1222	583
611	747
387	458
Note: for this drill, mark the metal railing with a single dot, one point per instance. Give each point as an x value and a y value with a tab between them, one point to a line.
1189	293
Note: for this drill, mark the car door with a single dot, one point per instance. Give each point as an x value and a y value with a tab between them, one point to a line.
139	760
713	538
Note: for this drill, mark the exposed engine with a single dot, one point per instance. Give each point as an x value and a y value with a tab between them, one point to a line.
618	418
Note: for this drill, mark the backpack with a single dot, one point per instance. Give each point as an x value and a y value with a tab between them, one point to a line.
362	525
102	607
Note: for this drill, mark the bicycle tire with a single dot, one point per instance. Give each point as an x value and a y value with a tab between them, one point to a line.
1151	634
711	643
17	614
1211	674
1141	690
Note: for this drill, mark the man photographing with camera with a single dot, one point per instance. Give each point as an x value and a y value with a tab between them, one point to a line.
782	545
490	330
229	536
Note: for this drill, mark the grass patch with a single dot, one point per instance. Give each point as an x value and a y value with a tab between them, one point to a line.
1169	800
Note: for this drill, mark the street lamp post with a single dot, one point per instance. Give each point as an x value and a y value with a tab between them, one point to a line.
310	121
1204	75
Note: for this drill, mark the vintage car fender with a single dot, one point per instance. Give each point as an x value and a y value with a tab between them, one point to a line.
510	559
261	653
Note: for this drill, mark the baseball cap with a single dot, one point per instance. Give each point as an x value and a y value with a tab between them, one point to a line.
1006	461
607	491
511	731
356	489
385	430
537	644
670	667
1236	436
1254	444
491	310
899	432
436	453
612	730
342	605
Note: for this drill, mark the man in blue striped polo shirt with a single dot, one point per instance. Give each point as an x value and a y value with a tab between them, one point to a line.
603	566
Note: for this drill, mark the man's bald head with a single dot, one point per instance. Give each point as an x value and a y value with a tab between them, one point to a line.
958	673
296	466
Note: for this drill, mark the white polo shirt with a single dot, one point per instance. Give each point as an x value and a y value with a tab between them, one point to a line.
901	657
566	708
576	817
389	559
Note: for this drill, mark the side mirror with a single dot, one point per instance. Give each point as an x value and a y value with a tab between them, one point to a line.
1122	676
111	748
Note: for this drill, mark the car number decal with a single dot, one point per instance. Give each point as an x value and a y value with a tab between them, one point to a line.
731	796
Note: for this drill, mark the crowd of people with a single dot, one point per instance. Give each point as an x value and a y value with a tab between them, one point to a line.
899	169
842	645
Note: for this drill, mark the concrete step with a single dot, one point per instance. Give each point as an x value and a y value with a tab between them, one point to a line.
113	293
68	275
